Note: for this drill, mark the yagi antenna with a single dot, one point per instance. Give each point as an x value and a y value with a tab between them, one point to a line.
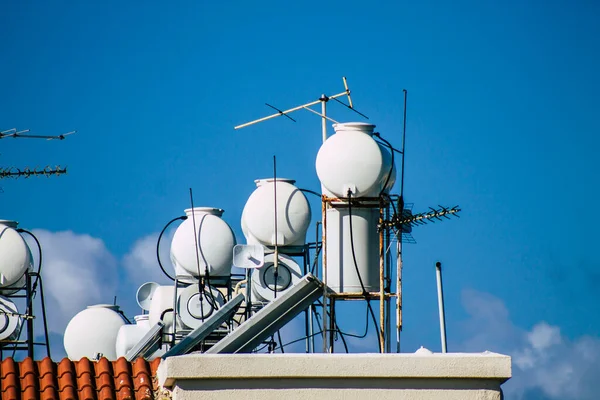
323	114
13	133
14	172
27	172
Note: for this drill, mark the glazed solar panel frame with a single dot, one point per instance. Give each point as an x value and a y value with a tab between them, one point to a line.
208	326
271	318
148	344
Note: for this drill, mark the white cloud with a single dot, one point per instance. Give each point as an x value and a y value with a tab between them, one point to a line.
544	336
78	270
141	263
545	362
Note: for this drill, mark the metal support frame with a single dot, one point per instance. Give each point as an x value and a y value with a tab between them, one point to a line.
28	344
217	282
384	295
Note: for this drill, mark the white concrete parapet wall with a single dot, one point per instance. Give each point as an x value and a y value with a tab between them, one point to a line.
418	376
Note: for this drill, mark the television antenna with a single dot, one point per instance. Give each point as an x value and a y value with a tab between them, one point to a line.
323	100
14	133
15	172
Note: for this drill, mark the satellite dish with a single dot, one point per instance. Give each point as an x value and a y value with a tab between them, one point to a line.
10	322
194	308
263	280
144	294
248	256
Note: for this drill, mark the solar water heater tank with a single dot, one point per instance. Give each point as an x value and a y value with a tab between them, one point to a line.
15	256
92	333
293	214
214	239
352	159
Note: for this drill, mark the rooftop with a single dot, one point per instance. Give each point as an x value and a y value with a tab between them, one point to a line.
78	380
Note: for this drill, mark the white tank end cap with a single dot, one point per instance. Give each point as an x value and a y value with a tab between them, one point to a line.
423	351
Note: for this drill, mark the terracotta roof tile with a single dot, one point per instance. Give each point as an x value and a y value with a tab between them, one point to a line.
123	381
9	377
67	386
77	380
29	383
47	379
142	381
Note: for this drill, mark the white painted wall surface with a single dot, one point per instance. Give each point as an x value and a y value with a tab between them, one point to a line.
336	376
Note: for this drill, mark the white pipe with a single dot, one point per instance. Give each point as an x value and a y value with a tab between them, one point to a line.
239	285
438	273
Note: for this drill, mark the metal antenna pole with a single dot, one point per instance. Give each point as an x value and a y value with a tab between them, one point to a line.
398	293
276	257
399	245
440	292
403	143
29	312
324	100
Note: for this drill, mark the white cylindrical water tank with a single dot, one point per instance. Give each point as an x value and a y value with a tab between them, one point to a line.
163	299
93	333
129	335
15	287
215	241
341	271
15	256
293	214
352	159
263	278
10	323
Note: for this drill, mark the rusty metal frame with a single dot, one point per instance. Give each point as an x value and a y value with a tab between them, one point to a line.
329	298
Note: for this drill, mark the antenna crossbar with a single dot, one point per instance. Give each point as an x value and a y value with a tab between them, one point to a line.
13	133
321	115
322	99
280	113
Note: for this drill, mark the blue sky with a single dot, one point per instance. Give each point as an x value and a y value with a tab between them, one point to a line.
502	121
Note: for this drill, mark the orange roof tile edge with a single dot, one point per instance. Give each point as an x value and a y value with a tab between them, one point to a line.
78	380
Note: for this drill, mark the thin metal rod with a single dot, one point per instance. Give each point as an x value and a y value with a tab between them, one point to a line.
347	91
398	293
324	100
381	282
44	317
312	103
307	312
321	115
248	293
399	244
281	112
388	275
324	206
197	245
403	143
174	322
331	325
351	108
440	292
29	313
276	255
